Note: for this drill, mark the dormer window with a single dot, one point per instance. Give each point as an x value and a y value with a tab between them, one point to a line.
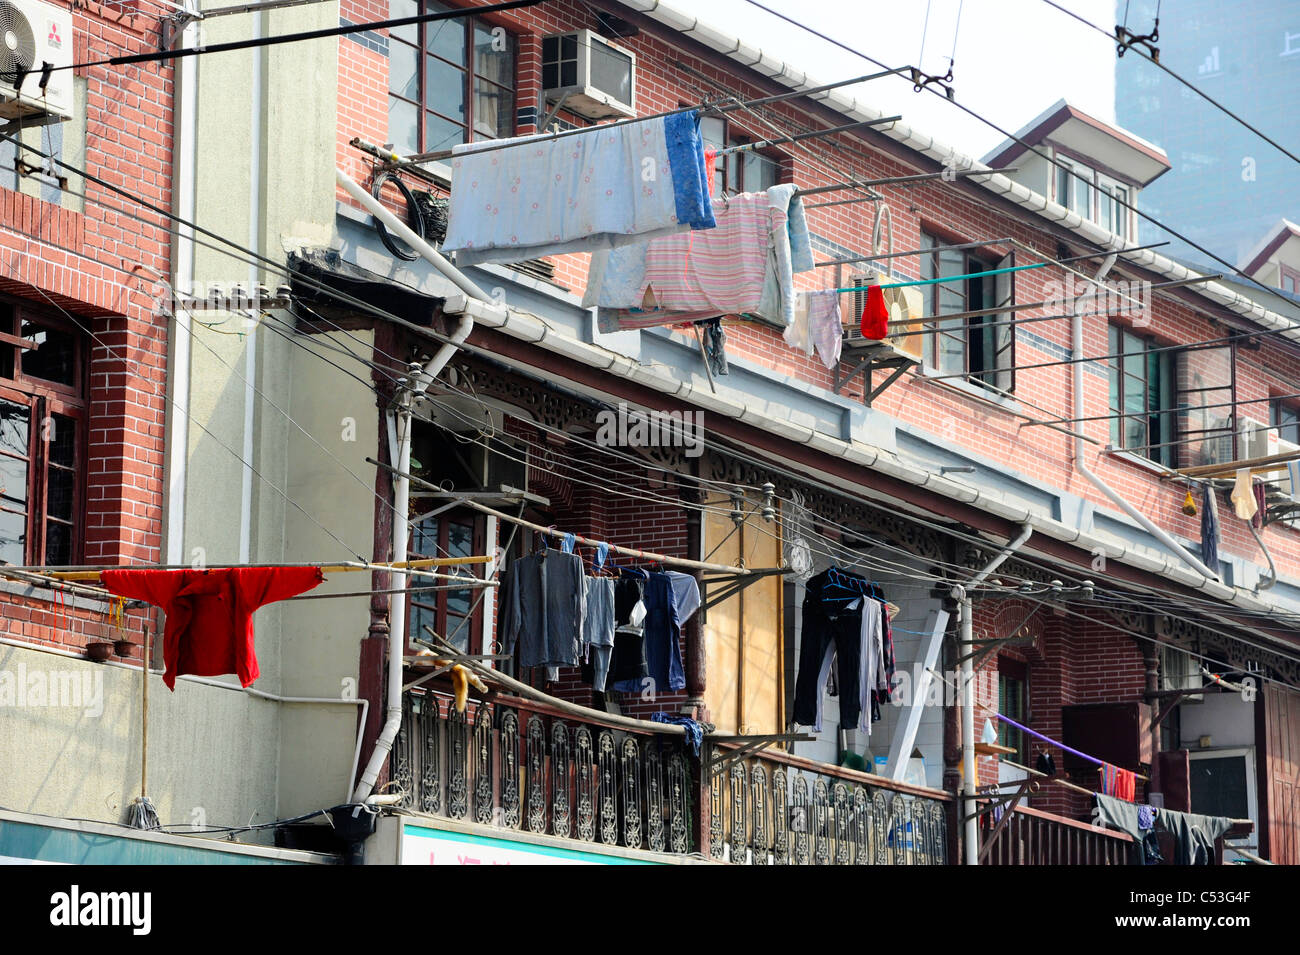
1092	195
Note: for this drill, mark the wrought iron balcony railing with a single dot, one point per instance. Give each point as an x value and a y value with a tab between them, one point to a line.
518	765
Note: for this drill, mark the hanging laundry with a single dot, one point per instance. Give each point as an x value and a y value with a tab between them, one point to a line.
875	314
838	618
663	649
715	344
686	595
545	196
209	629
1261	503
817	324
1137	821
1209	529
1243	495
1120	783
598	629
744	266
695	730
543	606
628	660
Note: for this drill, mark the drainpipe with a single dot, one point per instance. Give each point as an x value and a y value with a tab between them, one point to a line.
966	681
183	279
1076	345
399	445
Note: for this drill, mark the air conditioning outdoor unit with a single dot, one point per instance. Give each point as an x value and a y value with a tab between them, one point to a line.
32	36
592	77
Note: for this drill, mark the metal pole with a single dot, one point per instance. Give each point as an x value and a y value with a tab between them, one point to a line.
895	180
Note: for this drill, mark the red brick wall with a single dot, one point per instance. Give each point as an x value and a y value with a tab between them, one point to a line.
100	266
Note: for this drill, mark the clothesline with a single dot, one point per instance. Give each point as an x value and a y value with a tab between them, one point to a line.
946	278
93	572
727	105
587	541
1060	745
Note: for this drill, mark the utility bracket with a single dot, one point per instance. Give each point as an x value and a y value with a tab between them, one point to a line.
921	80
1126	39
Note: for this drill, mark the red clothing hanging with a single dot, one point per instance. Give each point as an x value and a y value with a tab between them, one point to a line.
875	314
209	628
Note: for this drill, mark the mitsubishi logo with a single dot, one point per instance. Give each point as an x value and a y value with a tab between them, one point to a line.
54	39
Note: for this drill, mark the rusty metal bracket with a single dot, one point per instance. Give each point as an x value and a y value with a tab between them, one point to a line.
1125	39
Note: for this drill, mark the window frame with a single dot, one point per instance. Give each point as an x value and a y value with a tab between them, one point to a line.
1102	190
1011	671
1000	376
1288	276
722	168
472	79
1160	451
45	399
438	602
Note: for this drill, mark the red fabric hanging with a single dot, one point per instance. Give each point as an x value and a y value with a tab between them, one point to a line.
209	629
875	314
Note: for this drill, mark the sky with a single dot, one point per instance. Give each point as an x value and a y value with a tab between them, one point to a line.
1014	58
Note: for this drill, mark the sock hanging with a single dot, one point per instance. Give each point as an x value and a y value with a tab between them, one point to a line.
875	315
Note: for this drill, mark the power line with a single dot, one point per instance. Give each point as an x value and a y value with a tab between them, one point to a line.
1038	152
256	42
1201	93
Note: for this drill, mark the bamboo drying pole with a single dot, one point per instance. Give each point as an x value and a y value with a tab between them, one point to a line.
615	548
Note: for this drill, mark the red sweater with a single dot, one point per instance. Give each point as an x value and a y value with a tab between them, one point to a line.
209	628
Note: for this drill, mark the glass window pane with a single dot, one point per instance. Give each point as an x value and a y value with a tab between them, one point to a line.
1135	365
13	483
13	537
15	426
60	493
403	127
58	543
444	89
63	440
494	54
1135	433
446	38
494	111
398	9
611	71
458	603
404	70
1114	390
441	133
460	538
55	356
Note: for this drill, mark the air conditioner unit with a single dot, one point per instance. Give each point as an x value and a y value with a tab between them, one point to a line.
34	35
592	77
904	304
1257	440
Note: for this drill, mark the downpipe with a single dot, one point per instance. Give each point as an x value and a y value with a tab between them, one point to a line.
966	681
399	421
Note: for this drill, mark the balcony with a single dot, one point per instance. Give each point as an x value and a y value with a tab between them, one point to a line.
513	764
1033	837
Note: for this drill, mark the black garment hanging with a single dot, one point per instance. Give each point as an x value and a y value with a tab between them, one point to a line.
833	605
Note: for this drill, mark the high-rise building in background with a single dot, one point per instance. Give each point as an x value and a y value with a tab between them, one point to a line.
1228	188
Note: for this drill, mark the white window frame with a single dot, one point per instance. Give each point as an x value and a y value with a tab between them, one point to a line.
1251	842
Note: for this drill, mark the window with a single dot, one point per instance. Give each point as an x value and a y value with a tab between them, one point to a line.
749	171
1286	418
1141	387
42	437
1204	394
449	81
1290	279
454	615
982	347
1011	703
1099	199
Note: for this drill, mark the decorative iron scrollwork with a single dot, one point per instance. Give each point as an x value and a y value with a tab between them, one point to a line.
800	821
585	759
483	796
561	815
458	770
679	806
607	763
861	827
510	795
430	753
780	818
843	827
402	773
631	771
535	749
880	826
654	796
758	803
821	823
717	800
738	794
